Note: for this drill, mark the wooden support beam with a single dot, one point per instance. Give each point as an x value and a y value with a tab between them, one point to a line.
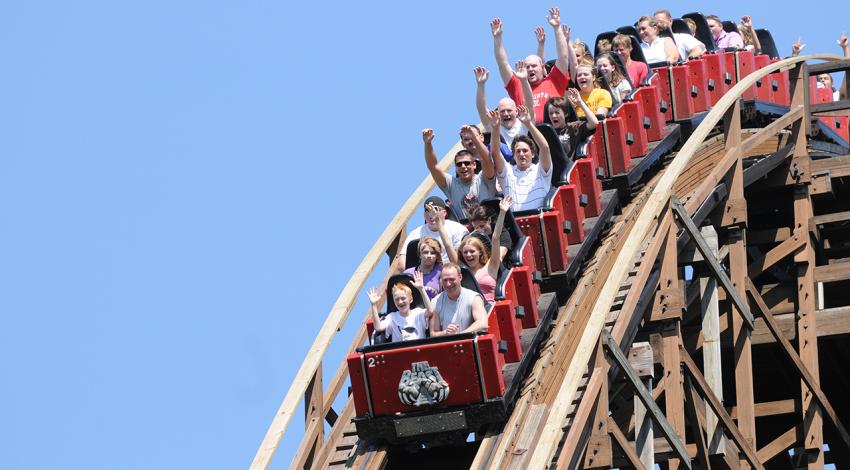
712	363
786	248
767	236
598	454
795	113
314	415
832	272
770	408
832	108
778	445
838	167
646	398
697	425
715	267
831	218
624	444
673	394
570	447
809	379
829	67
717	407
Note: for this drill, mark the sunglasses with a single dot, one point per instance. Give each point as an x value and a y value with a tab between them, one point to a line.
464	163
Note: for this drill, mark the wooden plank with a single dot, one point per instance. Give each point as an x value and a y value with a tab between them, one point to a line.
829	67
777	254
831	108
644	222
809	378
832	272
831	218
674	398
838	167
770	408
599	453
717	407
646	398
778	445
794	113
712	361
697	425
339	314
624	445
767	236
571	447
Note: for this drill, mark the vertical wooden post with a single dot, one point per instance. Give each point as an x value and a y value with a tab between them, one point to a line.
734	221
711	347
313	408
805	259
640	357
599	453
671	292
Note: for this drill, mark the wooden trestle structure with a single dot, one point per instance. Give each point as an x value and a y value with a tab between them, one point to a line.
708	331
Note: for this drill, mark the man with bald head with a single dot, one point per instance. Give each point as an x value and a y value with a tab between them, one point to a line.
543	86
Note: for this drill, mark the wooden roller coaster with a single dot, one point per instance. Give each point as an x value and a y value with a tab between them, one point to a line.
708	329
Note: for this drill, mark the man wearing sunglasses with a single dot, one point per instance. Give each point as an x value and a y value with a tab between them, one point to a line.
467	189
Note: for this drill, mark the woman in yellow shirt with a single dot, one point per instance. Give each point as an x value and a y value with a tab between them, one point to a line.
597	99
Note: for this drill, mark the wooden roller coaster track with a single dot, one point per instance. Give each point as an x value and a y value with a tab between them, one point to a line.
662	294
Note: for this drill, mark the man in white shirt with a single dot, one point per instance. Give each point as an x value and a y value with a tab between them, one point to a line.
688	45
431	228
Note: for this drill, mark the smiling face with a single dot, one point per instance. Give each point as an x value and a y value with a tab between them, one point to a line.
450	281
716	28
536	71
647	32
465	166
507	112
605	65
557	117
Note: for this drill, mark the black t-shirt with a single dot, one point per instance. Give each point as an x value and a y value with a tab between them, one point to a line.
571	134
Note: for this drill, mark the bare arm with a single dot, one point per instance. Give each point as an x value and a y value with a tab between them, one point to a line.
479	316
445	238
419	284
562	47
747	21
493	263
375	295
842	91
571	53
671	52
499	51
797	47
542	145
482	151
521	74
499	162
431	158
540	33
575	99
481	75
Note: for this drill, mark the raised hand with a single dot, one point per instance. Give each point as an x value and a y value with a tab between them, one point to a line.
567	30
541	34
374	295
496	27
573	95
436	214
481	75
797	47
554	17
427	135
842	41
495	119
522	115
747	21
418	283
520	71
505	203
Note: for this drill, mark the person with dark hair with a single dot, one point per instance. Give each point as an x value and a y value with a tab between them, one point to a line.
527	182
570	133
468	188
656	48
722	38
469	133
457	309
543	86
688	45
622	46
482	223
620	87
435	213
407	322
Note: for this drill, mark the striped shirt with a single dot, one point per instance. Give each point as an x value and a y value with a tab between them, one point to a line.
528	188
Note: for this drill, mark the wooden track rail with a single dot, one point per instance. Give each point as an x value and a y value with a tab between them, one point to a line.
574	409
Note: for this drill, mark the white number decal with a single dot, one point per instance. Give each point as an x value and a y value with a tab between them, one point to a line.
371	361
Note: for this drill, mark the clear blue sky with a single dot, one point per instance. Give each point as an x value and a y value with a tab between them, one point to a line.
185	187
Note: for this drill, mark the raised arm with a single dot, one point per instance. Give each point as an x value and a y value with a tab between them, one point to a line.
747	22
575	99
499	162
540	33
842	91
440	217
521	74
797	47
431	158
499	51
375	295
419	284
495	242
562	61
571	52
479	316
483	153
542	145
481	75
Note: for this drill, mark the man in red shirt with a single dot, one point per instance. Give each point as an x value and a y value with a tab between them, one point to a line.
543	86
